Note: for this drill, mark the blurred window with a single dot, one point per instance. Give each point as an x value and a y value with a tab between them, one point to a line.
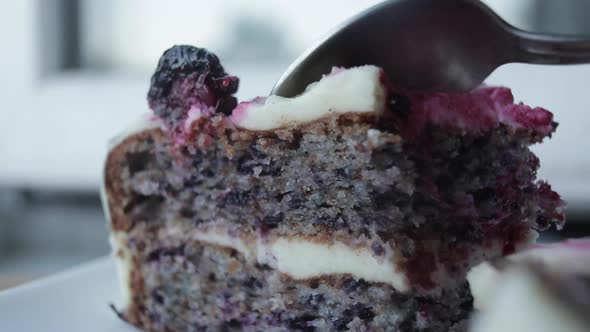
130	35
75	72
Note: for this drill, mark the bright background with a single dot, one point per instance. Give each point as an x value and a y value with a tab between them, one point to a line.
73	73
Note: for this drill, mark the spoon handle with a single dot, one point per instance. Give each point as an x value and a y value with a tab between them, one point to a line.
551	49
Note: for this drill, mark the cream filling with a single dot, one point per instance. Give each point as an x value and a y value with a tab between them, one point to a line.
296	257
357	89
302	258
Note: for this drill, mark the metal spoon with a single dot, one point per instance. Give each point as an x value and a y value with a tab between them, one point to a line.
430	45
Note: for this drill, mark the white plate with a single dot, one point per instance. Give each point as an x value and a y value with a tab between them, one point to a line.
71	301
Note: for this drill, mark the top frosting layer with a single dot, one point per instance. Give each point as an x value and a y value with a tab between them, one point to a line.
476	112
357	89
190	84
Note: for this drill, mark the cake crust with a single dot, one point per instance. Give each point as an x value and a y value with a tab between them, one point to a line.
115	165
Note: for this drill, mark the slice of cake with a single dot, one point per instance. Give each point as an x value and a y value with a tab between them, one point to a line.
544	289
355	206
569	257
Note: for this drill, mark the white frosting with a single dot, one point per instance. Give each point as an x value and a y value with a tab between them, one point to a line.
193	114
481	279
523	304
357	89
301	258
571	256
123	260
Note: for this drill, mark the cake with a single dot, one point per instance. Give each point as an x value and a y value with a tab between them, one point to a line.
355	206
569	258
543	289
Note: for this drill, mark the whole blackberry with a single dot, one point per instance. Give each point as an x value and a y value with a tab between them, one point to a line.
188	75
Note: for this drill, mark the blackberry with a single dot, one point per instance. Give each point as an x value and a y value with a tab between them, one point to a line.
188	75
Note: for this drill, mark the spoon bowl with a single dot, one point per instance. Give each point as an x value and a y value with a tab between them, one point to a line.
429	45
